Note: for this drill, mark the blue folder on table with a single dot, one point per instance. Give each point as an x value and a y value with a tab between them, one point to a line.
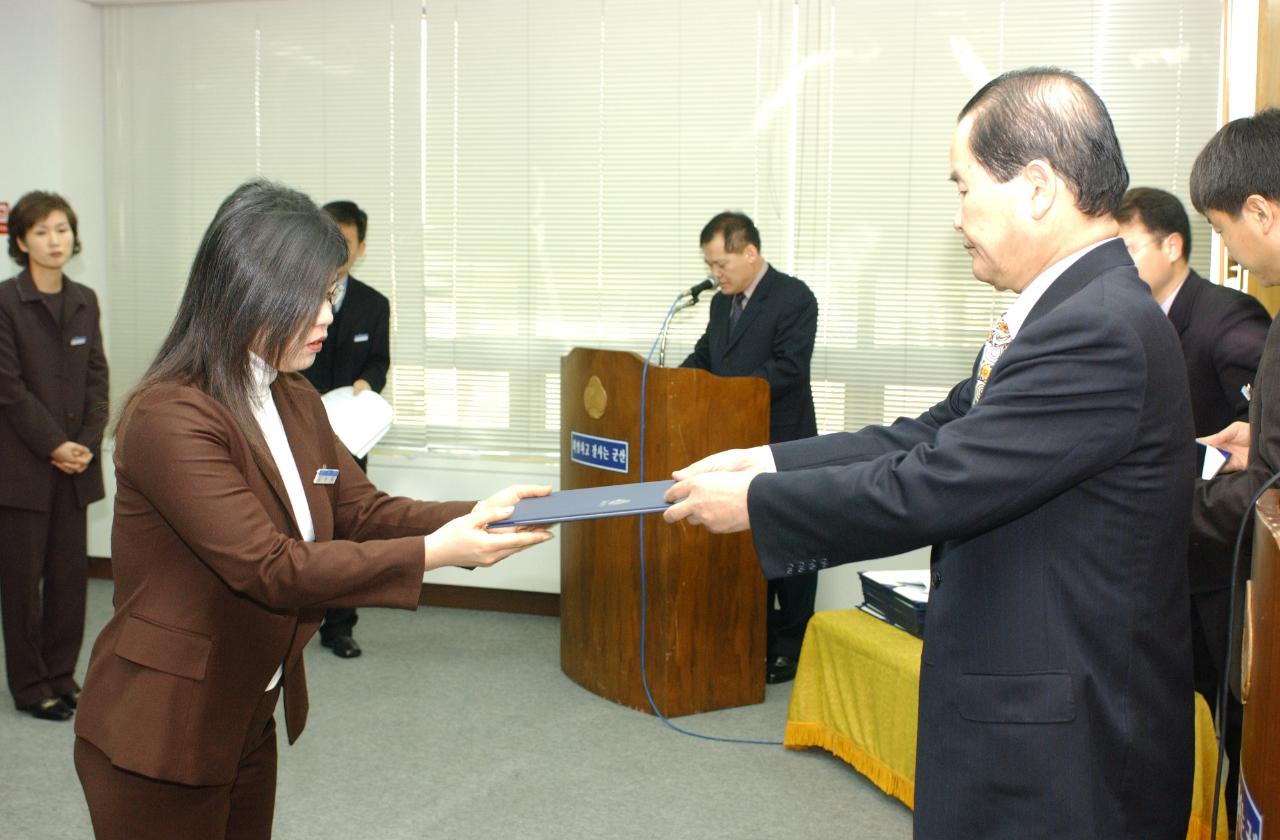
589	503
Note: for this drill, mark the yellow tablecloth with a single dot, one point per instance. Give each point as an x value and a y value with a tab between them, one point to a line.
856	694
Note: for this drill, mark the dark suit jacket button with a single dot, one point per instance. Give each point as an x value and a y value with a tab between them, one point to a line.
935	580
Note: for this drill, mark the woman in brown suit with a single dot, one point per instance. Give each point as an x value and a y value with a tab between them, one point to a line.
239	518
53	408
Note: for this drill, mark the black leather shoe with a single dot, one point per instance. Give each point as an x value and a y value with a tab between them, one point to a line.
779	669
50	708
344	647
72	698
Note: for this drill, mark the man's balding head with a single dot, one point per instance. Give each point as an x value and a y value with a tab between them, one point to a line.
1042	113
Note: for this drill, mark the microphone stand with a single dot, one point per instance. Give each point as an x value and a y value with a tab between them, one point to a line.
684	301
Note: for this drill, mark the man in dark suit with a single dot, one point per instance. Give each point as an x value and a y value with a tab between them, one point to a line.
356	353
1222	331
763	324
1235	183
1055	485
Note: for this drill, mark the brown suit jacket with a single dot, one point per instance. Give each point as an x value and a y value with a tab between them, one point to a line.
53	388
214	587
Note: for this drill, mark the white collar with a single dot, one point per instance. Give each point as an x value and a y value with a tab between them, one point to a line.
263	376
1035	290
750	290
1167	303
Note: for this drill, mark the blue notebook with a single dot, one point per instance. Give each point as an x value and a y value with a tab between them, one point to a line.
589	503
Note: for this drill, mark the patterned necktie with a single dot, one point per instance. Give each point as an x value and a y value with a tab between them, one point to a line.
998	338
736	306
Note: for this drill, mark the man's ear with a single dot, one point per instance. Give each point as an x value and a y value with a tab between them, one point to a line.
1262	212
751	253
1172	247
1044	186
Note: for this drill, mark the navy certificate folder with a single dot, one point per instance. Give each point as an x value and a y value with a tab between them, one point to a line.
589	503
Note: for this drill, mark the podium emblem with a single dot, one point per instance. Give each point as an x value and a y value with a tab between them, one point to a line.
595	398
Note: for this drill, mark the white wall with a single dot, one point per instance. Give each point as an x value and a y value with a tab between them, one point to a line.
53	117
52	139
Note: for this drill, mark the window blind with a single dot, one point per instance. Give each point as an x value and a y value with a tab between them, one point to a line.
536	174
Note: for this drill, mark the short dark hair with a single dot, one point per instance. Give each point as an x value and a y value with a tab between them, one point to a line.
32	209
1158	211
737	229
347	213
1052	115
1237	162
258	280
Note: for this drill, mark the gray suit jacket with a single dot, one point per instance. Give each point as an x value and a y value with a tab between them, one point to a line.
1055	688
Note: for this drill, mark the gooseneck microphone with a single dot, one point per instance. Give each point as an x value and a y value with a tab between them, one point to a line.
705	285
683	301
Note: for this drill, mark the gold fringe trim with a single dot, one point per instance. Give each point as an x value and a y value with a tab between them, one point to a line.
804	734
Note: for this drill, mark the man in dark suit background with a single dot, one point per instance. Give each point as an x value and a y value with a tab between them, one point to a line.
1055	485
356	353
763	324
1235	183
1222	332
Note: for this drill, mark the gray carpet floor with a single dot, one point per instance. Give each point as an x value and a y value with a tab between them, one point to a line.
459	724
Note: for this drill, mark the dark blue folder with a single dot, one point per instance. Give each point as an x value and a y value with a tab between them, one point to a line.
589	503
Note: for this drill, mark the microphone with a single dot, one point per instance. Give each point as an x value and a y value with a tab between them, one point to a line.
694	291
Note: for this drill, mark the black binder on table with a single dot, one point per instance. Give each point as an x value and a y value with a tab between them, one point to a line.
900	598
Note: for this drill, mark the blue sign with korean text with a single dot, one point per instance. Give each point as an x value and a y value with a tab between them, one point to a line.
598	452
1249	818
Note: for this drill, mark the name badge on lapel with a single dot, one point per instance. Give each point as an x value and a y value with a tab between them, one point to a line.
325	475
79	340
360	337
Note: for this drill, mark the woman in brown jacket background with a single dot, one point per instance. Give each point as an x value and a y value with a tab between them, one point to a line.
53	409
239	518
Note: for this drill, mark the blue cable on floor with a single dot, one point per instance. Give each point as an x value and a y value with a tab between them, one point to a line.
644	677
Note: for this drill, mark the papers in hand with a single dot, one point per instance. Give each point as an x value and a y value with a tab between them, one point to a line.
359	420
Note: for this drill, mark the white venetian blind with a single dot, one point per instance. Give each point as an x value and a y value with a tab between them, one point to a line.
536	174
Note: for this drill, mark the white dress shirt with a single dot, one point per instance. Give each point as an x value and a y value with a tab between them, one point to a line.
268	417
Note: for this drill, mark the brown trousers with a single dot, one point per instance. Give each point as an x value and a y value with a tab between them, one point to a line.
127	806
43	574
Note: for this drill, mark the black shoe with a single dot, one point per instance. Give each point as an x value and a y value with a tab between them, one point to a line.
72	698
344	647
50	708
779	669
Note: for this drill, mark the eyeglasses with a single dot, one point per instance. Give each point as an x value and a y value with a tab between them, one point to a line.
332	295
1134	250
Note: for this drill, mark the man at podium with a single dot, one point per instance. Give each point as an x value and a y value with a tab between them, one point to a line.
763	324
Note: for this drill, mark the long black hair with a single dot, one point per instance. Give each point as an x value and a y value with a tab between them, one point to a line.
258	281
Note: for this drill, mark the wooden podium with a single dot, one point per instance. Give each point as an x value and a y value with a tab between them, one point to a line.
1260	666
705	630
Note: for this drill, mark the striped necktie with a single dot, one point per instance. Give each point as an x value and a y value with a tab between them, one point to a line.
736	306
